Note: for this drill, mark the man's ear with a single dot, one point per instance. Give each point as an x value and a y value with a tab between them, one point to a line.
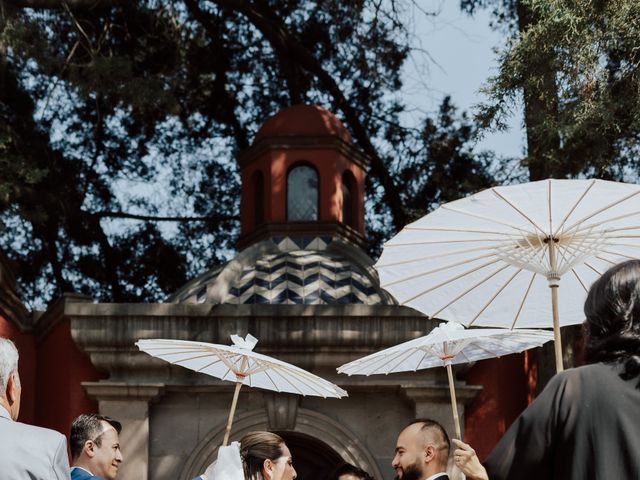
429	453
12	389
89	448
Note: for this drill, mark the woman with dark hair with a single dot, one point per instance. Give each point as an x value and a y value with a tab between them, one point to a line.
586	422
258	456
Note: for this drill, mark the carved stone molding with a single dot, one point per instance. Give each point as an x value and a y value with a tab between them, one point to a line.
105	391
282	410
313	337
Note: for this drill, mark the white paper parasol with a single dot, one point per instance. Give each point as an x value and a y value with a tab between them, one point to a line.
448	344
240	364
500	257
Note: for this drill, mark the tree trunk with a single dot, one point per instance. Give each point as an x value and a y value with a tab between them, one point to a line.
544	157
540	112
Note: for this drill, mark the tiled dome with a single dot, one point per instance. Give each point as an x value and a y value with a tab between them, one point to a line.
289	271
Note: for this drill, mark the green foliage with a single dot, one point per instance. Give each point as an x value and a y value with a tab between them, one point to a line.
591	52
126	120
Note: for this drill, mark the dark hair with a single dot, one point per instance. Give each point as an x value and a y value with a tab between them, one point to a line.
345	468
255	448
88	427
612	324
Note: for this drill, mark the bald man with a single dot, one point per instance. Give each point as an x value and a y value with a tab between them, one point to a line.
422	452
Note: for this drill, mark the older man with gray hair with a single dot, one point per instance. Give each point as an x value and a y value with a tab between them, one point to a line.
25	451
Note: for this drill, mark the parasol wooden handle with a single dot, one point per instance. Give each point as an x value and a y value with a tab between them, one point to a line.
227	431
553	284
454	403
557	339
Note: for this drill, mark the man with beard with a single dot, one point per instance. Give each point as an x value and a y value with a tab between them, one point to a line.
422	452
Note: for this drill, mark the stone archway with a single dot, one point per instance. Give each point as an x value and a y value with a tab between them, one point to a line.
313	430
312	459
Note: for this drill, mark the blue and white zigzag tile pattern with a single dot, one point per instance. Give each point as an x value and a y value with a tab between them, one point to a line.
302	277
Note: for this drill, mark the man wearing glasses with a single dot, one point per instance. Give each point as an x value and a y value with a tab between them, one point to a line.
95	448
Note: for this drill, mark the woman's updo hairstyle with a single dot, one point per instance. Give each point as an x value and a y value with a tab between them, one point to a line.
612	324
255	448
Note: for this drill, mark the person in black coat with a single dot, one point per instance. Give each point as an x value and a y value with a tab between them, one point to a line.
584	424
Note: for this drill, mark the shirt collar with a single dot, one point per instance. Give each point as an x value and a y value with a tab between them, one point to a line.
5	413
436	475
80	468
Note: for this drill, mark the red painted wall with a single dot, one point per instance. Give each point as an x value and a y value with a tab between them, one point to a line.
62	367
503	398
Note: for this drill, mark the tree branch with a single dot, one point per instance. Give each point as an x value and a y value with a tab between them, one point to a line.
282	40
151	218
59	4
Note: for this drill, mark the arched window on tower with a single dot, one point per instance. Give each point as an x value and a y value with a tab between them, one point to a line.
258	199
348	197
302	193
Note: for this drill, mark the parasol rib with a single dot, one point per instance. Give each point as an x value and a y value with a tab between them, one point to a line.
446	282
439	269
431	257
618	244
425	354
524	299
593	268
275	385
473	287
617	254
495	295
586	290
387	362
183	359
304	381
575	205
463	230
499	241
606	207
466	357
623	216
517	228
524	215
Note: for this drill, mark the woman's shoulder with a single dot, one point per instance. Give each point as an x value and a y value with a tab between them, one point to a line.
595	376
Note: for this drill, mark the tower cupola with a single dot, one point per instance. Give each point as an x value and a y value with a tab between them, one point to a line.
302	176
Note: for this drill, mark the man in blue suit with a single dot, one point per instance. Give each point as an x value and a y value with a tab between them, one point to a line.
95	447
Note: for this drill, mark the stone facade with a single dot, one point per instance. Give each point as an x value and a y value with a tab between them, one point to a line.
174	418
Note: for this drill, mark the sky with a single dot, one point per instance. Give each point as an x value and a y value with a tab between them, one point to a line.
460	59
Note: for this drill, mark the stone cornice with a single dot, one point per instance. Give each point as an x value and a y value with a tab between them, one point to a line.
104	391
315	228
315	337
297	142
